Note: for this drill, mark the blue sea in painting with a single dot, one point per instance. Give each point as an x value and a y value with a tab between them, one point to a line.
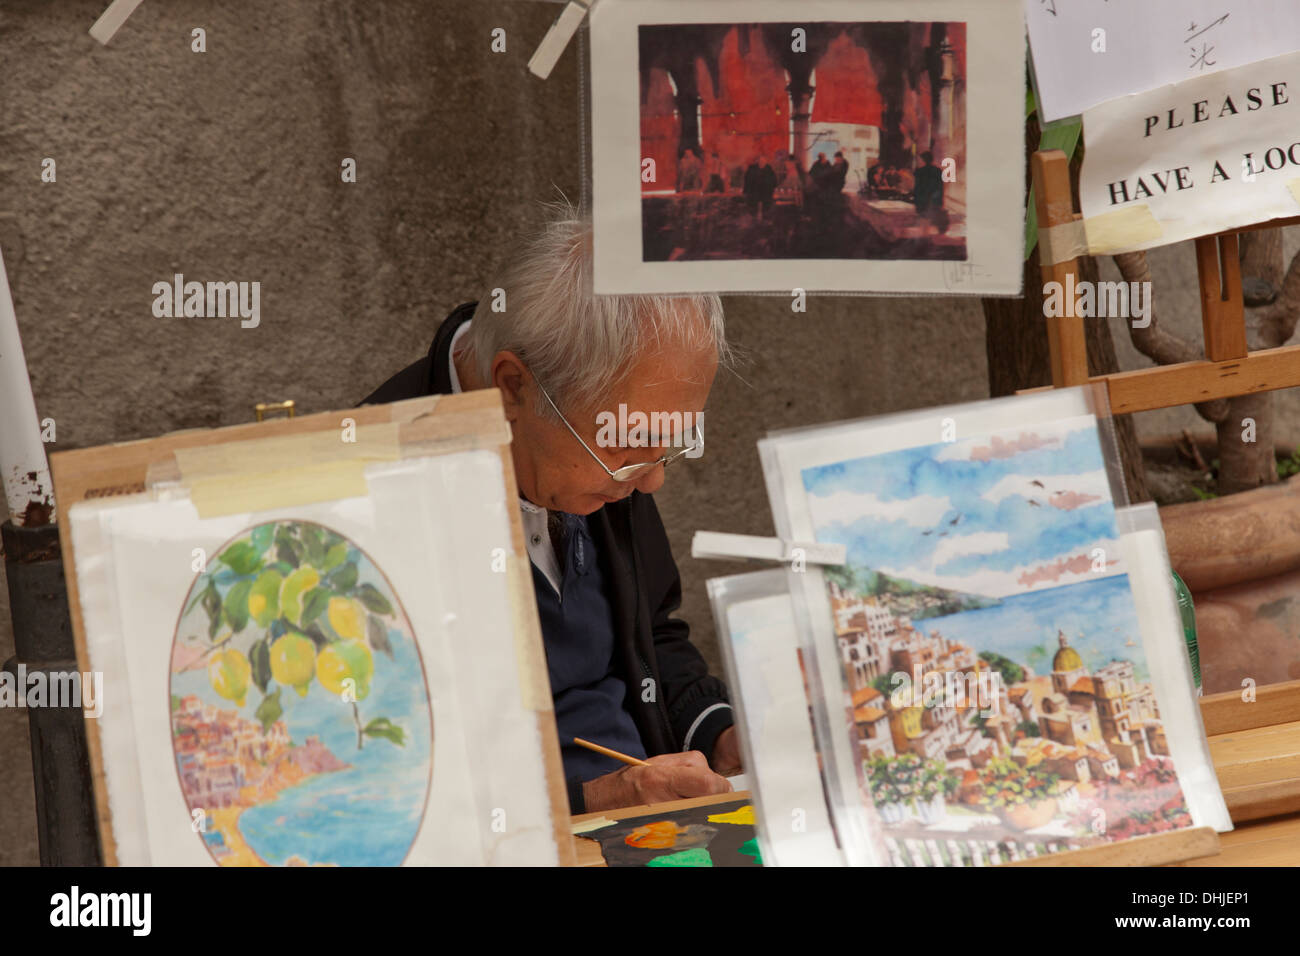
1098	617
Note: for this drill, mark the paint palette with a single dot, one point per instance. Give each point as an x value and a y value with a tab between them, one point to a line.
721	834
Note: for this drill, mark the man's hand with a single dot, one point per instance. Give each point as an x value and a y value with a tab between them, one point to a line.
668	777
726	752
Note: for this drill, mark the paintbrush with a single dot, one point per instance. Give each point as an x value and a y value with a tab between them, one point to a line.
630	761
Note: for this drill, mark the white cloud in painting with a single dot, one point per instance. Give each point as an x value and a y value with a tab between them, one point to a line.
982	542
1041	574
1065	492
846	507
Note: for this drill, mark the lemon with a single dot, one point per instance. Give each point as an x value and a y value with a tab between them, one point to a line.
292	590
347	618
293	661
264	598
229	673
344	659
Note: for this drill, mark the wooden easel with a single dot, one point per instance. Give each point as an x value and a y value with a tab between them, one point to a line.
446	422
1252	743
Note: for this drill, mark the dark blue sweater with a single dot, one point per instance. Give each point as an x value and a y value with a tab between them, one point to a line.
578	632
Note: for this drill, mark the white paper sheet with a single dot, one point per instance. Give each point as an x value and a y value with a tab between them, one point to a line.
756	628
1202	157
1146	44
430	525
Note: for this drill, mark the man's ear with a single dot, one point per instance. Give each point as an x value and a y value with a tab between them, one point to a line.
510	376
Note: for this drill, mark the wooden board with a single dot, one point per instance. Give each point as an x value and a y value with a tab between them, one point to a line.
1266	843
1154	850
1273	704
121	469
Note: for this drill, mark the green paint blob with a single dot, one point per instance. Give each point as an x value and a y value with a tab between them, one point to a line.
750	848
695	857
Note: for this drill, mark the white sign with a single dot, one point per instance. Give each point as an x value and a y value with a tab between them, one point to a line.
1088	51
1193	159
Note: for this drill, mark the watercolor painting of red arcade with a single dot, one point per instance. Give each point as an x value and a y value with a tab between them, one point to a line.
803	141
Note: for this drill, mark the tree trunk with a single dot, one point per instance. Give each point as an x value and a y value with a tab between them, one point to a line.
1261	265
1246	454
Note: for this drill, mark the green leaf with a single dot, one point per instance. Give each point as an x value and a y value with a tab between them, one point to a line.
236	605
241	557
313	550
1065	137
262	537
345	578
377	632
1031	103
287	549
385	728
212	605
334	556
314	604
259	658
317	636
375	601
1031	225
269	710
199	595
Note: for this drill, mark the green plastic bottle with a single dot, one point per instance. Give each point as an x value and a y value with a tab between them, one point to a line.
1187	610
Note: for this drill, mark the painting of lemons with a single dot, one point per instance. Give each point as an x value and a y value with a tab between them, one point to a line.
300	718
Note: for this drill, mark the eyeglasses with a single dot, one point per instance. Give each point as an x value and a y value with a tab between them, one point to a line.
628	472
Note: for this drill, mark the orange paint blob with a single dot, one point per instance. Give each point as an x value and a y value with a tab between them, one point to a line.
654	836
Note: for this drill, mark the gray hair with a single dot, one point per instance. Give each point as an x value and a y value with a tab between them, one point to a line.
578	345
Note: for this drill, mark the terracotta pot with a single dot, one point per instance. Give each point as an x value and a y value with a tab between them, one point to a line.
1026	816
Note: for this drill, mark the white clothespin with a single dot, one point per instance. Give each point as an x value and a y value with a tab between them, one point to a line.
112	19
751	547
557	37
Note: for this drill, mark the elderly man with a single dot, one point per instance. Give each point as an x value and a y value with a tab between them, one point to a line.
623	671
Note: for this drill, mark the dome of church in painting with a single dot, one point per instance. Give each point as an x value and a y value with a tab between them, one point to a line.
1067	658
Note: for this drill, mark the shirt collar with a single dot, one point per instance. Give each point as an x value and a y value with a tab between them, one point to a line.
451	356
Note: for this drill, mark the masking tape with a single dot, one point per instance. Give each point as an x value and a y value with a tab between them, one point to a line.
557	38
1116	231
1062	243
1122	230
265	491
533	693
111	20
1294	186
268	473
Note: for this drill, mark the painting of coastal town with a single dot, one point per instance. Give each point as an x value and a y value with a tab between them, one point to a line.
300	718
989	641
